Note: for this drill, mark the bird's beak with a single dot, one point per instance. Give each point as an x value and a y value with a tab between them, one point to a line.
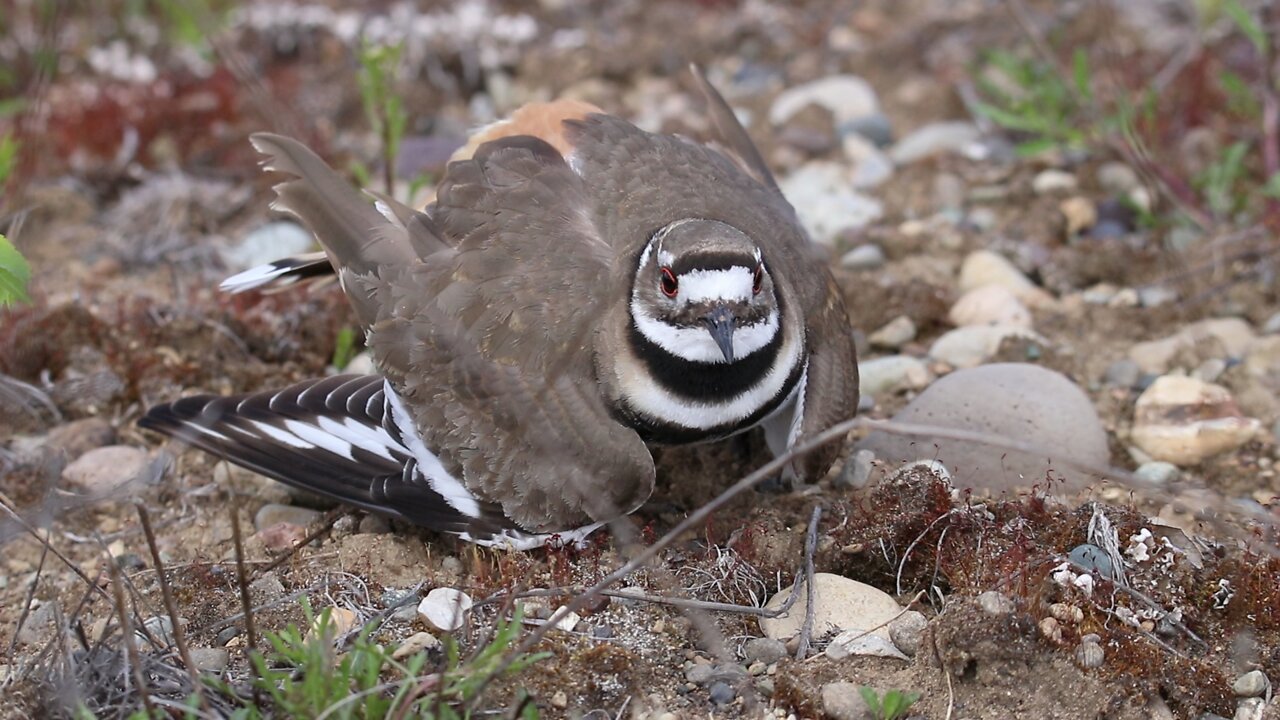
720	324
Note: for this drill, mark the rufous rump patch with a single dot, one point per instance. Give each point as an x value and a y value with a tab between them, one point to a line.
543	120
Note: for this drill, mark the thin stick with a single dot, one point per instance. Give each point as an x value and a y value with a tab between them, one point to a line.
48	545
130	642
811	591
246	604
26	606
179	635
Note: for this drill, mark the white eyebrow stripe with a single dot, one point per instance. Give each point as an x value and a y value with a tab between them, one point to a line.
728	284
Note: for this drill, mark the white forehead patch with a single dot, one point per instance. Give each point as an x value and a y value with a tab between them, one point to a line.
729	284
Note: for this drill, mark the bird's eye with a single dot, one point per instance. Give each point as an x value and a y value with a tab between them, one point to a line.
668	283
757	280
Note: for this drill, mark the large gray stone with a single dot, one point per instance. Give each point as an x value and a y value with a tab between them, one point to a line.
1014	401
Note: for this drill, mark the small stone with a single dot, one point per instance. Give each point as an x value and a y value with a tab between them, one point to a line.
559	700
1183	421
763	685
1079	213
856	471
864	257
1050	181
210	660
445	609
1116	178
974	345
80	436
1272	325
1092	559
764	650
281	537
602	632
859	643
373	525
841	604
843	701
1157	473
826	203
722	693
993	602
416	643
871	167
907	631
876	128
226	635
341	621
811	130
989	305
271	515
1051	629
1122	374
894	334
634	590
934	139
1251	684
563	619
1232	335
105	469
1108	229
988	268
700	674
892	374
1251	709
847	97
1156	295
1090	655
1066	613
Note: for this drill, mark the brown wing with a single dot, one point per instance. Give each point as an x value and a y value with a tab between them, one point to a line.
490	341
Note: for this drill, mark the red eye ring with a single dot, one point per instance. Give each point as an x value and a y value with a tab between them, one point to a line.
668	282
757	280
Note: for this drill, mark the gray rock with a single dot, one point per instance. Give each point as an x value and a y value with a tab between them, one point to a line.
1053	181
848	97
765	650
993	602
80	436
863	257
1156	295
822	195
1093	559
1122	373
934	139
892	374
1116	178
907	631
1251	709
894	334
843	701
858	643
856	471
374	525
1157	473
722	693
106	469
875	127
1272	325
871	167
211	660
973	345
1251	684
270	515
700	674
1007	400
265	243
268	587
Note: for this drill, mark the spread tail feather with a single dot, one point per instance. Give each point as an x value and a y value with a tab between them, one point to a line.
305	269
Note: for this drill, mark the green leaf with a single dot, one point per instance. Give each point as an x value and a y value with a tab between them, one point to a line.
1082	74
344	348
1272	187
872	700
15	273
1247	23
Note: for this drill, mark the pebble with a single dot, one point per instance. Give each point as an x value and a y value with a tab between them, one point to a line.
989	305
559	700
985	267
722	693
341	621
445	609
1251	709
1092	559
1156	356
907	631
105	469
1079	213
765	650
1036	405
935	139
856	471
1182	420
851	643
281	537
1050	181
871	167
1116	178
825	202
416	643
210	660
373	525
875	128
1156	295
266	243
863	257
268	587
271	514
842	604
847	97
1251	684
1090	654
894	334
974	345
1051	629
80	436
892	374
1122	374
993	602
700	674
563	619
1272	325
843	701
1157	473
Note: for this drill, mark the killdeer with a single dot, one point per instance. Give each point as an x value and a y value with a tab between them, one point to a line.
579	290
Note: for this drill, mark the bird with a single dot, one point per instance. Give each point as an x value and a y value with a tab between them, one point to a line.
578	292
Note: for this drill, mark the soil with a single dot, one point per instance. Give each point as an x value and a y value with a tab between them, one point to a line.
125	314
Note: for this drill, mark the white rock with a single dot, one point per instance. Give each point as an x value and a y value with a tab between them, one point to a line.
863	257
1157	473
1234	334
1251	684
990	305
892	374
414	644
871	167
842	604
445	609
822	195
894	334
843	701
563	619
104	469
857	642
934	139
1117	178
848	97
985	267
1251	709
1183	421
266	243
970	346
1053	181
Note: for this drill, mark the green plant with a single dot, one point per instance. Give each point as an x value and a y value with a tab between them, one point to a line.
1220	183
8	156
344	348
1032	98
15	273
891	706
383	108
